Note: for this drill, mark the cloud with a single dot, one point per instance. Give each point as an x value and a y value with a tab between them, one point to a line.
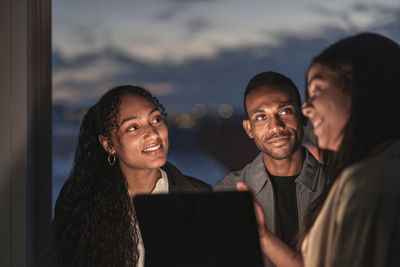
101	68
160	88
64	94
196	25
209	81
356	13
181	86
177	6
191	1
169	13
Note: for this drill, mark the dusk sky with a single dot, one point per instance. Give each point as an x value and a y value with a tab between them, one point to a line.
198	52
196	56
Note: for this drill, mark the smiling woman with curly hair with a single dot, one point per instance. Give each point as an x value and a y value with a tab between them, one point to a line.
122	151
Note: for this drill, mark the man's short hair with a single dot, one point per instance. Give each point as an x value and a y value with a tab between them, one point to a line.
275	80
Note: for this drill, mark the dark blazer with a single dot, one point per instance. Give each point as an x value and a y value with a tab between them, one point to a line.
178	182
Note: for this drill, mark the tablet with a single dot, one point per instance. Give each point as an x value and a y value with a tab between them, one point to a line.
199	229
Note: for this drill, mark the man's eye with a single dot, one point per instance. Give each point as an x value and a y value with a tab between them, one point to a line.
261	117
286	111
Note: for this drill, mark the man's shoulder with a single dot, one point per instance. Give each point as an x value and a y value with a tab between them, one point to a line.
231	179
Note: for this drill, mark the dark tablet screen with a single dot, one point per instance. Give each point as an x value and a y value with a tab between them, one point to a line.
199	229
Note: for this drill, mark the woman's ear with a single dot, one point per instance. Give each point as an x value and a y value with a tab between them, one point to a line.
104	141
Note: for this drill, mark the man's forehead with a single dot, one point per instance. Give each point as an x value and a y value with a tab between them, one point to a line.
271	94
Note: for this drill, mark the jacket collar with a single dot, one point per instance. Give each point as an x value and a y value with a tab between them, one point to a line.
176	180
310	171
258	176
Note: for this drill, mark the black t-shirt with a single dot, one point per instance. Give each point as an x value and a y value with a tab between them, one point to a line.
286	219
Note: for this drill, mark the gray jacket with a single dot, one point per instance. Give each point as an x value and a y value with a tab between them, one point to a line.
309	185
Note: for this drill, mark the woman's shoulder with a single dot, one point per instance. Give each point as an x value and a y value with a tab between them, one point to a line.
377	174
178	182
199	183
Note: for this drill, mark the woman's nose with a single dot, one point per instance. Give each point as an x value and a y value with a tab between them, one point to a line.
151	131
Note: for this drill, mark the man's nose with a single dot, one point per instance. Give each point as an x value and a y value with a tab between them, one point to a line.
277	124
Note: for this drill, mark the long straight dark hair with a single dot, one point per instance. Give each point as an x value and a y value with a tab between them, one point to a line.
368	66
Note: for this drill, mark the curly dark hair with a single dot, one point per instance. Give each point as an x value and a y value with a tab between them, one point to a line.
92	223
368	66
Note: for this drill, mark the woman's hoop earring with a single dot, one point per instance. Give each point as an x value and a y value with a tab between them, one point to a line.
111	159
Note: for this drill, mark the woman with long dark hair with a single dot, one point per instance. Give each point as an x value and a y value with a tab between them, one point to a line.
122	151
353	96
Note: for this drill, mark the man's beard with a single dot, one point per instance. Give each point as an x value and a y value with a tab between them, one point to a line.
279	154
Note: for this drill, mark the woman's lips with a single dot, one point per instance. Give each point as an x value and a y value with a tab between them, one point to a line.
153	149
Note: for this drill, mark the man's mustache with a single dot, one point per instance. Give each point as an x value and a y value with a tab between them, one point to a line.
277	135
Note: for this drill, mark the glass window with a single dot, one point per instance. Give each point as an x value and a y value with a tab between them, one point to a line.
196	57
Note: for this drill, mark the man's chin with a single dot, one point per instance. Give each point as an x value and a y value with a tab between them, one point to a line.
281	154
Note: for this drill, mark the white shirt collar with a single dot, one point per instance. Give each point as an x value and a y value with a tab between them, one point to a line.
161	184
